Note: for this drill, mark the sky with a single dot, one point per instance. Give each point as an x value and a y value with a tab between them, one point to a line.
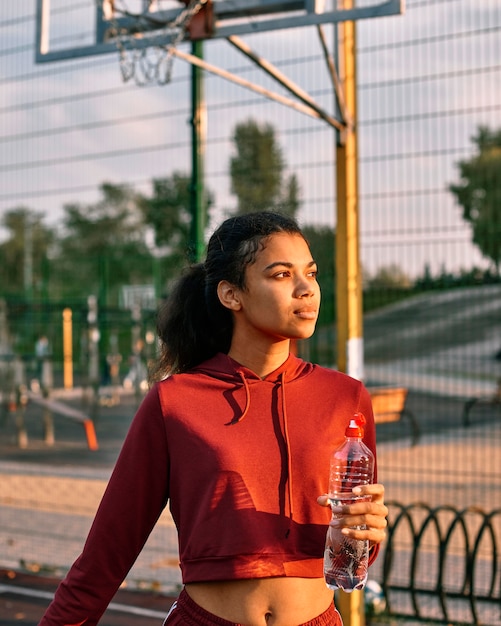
426	80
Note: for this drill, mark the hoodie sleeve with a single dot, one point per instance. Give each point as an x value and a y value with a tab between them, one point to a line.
136	494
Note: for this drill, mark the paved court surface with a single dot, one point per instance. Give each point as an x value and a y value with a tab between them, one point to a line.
23	598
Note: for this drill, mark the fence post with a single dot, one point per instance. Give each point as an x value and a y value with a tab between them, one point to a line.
67	349
46	384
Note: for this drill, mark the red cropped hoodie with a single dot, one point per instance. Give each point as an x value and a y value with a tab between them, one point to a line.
240	460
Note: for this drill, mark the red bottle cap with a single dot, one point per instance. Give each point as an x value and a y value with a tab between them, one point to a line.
356	426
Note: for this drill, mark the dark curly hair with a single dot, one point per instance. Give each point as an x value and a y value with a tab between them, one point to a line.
193	325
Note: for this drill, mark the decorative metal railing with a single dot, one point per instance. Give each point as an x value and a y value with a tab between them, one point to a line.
442	564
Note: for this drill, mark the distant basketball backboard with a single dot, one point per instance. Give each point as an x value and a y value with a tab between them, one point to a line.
66	31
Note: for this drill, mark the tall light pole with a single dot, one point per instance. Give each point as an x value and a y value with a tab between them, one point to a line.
198	140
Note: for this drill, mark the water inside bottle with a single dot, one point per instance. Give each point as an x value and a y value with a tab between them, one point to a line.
345	559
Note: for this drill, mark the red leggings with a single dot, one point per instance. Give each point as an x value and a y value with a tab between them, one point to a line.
186	612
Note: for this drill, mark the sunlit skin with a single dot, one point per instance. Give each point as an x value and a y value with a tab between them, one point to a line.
280	302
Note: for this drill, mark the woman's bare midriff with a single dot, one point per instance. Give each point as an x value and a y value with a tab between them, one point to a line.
263	601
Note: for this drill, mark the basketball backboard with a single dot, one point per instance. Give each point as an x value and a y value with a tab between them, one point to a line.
65	31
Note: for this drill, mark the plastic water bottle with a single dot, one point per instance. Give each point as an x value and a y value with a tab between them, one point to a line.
346	560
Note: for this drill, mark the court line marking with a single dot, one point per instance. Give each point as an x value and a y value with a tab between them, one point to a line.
113	606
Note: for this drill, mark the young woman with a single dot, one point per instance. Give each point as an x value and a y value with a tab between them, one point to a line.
236	435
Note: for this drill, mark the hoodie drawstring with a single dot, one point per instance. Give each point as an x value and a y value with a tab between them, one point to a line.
289	456
238	418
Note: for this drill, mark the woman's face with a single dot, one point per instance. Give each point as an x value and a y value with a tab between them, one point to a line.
281	297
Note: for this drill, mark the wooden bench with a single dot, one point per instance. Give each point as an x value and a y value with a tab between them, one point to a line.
489	401
388	404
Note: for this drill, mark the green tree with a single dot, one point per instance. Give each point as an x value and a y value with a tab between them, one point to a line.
291	196
257	171
167	211
390	277
258	181
479	193
24	253
322	243
103	246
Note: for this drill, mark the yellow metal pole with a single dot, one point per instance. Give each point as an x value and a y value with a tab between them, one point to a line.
348	272
67	349
351	607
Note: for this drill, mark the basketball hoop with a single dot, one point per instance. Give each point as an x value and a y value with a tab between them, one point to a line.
144	61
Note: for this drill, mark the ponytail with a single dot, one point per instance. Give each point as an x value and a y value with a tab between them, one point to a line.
190	328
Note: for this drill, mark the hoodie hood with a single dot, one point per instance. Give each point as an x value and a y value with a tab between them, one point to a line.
226	369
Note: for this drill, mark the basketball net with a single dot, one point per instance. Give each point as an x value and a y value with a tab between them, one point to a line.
153	63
